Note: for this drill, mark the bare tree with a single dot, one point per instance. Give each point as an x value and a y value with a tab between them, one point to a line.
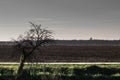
31	41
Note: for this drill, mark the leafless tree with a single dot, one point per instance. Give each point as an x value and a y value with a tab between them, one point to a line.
31	41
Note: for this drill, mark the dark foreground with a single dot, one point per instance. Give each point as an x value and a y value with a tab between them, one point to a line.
62	72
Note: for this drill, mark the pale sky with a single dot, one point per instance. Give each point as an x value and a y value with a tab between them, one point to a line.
69	19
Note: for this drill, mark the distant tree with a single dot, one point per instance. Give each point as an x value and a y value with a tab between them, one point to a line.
91	38
31	41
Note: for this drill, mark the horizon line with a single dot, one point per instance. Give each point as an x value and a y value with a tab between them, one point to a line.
73	40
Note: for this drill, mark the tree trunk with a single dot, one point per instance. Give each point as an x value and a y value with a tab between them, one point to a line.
20	68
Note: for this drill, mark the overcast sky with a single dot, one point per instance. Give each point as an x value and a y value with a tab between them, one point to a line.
69	19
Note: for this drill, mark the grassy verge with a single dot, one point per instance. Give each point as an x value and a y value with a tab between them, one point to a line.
62	72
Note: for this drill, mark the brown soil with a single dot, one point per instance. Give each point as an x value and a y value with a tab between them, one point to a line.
66	54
